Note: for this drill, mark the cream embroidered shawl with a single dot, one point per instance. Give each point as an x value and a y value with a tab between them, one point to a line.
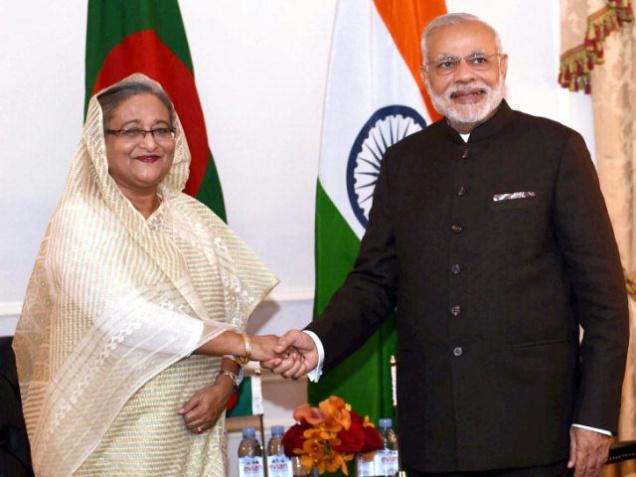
111	304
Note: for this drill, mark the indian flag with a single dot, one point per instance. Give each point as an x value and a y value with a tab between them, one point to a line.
146	36
374	98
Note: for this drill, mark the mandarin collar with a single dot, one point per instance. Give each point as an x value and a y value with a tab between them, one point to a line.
492	126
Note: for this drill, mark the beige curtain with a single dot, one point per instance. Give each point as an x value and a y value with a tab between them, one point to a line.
599	57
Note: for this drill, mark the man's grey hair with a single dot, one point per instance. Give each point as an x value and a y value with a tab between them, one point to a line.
453	19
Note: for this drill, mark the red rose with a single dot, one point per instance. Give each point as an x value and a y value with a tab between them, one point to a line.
352	439
372	440
293	438
355	417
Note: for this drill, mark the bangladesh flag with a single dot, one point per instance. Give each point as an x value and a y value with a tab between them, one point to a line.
249	401
147	36
374	98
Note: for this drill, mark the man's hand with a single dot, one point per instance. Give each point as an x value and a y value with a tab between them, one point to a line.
588	452
298	355
203	409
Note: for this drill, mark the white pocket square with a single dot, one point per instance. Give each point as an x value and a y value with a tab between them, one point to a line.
513	196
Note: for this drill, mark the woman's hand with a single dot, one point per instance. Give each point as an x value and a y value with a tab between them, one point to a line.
263	347
203	409
233	343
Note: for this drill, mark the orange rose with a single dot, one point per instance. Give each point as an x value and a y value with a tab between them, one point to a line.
312	415
336	413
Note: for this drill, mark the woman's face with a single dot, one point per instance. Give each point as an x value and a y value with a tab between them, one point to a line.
138	161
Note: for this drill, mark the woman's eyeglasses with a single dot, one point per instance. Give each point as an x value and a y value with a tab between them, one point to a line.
137	134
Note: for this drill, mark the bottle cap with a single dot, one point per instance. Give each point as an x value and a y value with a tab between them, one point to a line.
249	432
385	423
278	430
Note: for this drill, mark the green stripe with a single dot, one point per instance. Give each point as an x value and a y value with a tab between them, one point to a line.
110	21
210	192
336	249
363	379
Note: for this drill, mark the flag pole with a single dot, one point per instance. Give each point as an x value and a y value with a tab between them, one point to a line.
393	365
264	453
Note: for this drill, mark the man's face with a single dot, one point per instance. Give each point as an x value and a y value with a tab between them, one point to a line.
466	92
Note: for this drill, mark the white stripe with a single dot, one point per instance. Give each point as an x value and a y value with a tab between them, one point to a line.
257	395
366	73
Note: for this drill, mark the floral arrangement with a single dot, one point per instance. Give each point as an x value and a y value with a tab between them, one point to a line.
328	436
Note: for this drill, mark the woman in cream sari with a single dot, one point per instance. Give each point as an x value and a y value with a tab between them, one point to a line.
135	290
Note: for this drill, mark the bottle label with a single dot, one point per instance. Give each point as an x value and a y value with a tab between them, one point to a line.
251	466
386	462
365	467
279	466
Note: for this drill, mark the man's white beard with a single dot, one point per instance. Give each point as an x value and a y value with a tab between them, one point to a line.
470	113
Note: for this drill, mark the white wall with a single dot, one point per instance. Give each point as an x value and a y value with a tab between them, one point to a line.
260	69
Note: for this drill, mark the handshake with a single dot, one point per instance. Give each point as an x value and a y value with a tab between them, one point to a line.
291	355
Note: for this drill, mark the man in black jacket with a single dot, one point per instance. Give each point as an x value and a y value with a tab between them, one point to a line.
490	235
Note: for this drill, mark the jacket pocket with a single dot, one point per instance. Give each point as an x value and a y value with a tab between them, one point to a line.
536	344
537	386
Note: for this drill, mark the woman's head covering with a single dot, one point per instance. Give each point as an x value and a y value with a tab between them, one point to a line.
115	298
93	159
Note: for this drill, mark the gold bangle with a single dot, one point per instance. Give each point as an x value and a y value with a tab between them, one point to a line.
247	343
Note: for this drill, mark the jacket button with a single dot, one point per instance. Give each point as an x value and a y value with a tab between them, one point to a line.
461	192
455	310
456	228
456	269
458	351
465	153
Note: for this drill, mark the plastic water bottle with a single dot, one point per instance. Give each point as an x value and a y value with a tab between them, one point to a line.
365	467
250	455
386	461
278	464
